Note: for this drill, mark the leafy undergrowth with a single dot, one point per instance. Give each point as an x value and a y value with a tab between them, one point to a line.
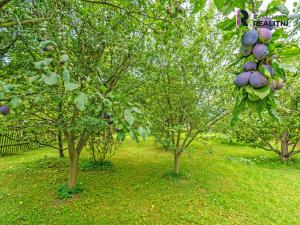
218	184
87	165
63	192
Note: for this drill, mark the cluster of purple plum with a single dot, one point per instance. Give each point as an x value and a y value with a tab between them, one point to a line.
255	42
4	110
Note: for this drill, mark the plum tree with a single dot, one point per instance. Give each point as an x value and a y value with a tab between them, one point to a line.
242	79
260	50
4	110
250	38
268	133
257	80
264	35
250	66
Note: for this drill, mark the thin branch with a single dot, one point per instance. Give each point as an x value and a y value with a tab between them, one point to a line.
208	127
11	24
123	9
295	152
254	9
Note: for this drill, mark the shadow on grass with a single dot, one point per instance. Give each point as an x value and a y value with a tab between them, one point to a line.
7	154
47	163
173	176
267	162
88	165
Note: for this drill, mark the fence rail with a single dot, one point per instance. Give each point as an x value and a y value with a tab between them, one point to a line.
14	140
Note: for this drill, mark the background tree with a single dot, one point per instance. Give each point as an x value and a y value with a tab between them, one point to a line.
78	60
182	87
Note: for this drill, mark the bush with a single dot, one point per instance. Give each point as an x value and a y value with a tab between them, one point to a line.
63	192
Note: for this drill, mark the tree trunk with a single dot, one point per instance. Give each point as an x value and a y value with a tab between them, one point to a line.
176	162
284	154
74	168
60	145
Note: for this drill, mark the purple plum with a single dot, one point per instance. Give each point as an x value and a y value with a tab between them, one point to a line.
242	79
250	66
250	38
257	80
260	51
264	35
4	110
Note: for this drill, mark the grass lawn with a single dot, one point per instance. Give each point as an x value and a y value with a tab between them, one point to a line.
221	184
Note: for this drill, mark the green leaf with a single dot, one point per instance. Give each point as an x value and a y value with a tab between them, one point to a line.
121	135
128	117
71	86
64	58
81	101
135	109
227	24
66	75
262	92
264	71
42	63
142	132
133	135
225	6
47	43
283	9
198	5
15	101
50	78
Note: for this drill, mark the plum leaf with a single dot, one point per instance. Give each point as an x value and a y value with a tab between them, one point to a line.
15	101
42	63
81	101
64	58
66	75
264	72
142	132
50	78
262	92
70	86
121	135
133	135
128	116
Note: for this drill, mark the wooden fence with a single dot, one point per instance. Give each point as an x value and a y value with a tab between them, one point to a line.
14	140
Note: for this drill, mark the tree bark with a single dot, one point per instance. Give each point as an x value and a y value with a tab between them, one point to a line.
74	168
176	162
60	145
284	154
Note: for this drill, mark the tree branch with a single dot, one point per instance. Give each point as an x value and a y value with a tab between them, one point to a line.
208	127
10	24
123	9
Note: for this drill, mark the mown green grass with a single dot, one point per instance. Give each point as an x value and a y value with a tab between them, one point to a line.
220	184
